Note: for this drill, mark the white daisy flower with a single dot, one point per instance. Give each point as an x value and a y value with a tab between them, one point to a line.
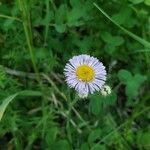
85	74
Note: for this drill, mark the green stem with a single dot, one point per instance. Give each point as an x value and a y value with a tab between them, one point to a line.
10	17
28	35
47	25
53	5
70	105
135	37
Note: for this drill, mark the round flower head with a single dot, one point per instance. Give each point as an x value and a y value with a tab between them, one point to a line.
85	74
106	90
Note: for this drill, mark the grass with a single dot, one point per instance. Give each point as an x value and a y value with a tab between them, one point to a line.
38	110
135	37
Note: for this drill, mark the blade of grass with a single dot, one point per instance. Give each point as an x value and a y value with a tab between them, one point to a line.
47	25
142	50
7	100
27	30
135	37
10	17
5	103
54	86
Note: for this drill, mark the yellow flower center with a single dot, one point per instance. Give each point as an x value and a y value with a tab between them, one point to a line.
85	73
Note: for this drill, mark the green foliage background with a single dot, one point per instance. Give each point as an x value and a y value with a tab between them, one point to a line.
38	110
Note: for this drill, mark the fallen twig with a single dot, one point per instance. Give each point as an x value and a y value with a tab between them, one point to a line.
13	72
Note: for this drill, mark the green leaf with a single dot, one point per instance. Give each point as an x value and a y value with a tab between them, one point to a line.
78	13
124	76
94	135
110	99
84	44
60	18
136	1
95	104
110	49
41	53
74	15
84	146
113	40
5	103
135	37
143	139
51	135
8	24
62	145
132	83
3	77
61	13
131	89
60	28
99	147
123	16
75	3
48	17
140	78
7	100
147	2
29	93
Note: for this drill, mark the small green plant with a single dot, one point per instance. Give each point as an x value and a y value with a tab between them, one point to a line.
37	108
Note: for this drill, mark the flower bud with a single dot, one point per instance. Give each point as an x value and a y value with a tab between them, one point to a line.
106	90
